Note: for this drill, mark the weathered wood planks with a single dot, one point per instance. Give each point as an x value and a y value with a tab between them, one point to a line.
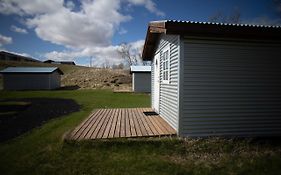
121	122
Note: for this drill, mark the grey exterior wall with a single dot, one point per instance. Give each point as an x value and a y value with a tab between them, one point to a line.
168	105
141	82
230	88
31	81
152	83
55	80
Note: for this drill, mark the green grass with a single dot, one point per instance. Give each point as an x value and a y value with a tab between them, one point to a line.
43	151
8	113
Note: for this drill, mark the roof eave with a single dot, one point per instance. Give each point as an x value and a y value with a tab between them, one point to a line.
196	29
60	71
154	30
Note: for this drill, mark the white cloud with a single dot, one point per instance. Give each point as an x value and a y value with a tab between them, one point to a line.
29	7
149	5
85	32
18	29
92	26
5	40
99	55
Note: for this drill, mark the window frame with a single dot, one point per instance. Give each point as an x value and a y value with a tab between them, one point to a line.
165	64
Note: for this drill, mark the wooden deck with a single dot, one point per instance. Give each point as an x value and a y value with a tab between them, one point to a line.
122	122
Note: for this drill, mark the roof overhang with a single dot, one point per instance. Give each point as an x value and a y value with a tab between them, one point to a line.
31	70
206	29
140	69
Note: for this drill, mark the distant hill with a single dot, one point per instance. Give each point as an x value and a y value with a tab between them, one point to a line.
82	77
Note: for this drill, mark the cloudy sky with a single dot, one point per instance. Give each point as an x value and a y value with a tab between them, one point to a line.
80	30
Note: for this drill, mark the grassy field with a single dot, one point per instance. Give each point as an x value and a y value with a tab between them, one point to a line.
43	150
80	76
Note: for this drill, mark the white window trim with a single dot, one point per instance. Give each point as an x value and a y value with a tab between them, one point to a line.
166	48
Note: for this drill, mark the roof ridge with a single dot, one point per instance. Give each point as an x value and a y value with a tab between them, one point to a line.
222	24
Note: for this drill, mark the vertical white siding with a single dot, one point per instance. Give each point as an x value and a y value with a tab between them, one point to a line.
169	92
152	83
231	88
133	82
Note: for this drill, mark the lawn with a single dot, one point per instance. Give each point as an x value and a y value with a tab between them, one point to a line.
43	150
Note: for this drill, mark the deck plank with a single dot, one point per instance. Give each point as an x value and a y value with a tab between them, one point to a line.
165	125
109	124
121	122
145	123
140	124
149	122
136	123
93	126
132	124
99	126
87	126
154	119
127	122
80	126
114	122
105	124
118	124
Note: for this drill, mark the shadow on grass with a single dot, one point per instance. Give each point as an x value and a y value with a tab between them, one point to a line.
18	116
75	87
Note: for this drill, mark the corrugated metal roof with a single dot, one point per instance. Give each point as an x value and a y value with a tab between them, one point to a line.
140	68
30	70
268	33
218	23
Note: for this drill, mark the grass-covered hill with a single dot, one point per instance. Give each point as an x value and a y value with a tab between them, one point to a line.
82	77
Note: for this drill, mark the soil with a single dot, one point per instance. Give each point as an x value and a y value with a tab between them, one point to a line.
79	77
23	118
97	78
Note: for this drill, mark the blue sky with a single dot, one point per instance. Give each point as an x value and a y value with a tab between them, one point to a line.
80	30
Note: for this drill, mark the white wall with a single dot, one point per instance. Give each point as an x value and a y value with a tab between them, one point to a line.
169	92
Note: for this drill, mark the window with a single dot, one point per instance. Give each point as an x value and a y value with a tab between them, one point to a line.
165	66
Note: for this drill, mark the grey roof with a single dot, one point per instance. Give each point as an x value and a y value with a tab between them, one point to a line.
31	70
207	29
140	68
219	23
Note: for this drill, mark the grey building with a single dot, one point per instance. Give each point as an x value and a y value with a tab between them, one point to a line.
141	78
9	56
214	79
31	78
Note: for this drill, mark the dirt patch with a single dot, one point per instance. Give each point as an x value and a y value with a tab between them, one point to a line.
17	119
98	78
79	77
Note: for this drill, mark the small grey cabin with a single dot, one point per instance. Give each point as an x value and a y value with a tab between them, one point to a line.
141	78
31	78
216	79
